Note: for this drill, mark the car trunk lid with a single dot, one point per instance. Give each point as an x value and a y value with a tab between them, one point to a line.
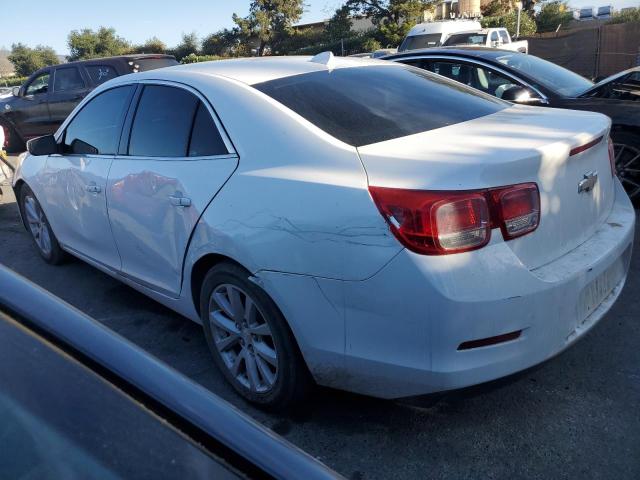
516	145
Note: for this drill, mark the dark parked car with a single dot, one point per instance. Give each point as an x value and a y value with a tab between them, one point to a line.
531	80
78	401
40	105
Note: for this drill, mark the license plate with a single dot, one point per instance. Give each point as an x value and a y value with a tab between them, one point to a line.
599	289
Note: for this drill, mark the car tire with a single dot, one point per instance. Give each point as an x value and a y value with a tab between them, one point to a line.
12	140
36	223
244	344
626	147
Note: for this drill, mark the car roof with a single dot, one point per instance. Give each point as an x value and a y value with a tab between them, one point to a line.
262	69
118	58
459	50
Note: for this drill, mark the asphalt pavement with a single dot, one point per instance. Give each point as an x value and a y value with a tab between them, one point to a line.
576	417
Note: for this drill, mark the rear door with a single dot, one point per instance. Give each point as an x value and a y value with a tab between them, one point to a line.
69	88
170	167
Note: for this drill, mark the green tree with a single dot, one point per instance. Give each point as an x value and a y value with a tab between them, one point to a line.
224	43
393	18
497	8
339	26
189	44
269	21
510	22
153	45
85	44
629	15
553	13
27	60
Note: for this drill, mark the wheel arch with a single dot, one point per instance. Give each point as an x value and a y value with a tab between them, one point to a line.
199	271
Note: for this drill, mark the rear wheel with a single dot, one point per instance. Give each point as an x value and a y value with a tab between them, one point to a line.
626	147
38	226
250	340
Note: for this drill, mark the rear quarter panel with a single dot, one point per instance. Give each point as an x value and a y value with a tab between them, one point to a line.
298	202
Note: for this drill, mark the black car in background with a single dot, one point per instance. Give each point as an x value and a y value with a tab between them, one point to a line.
40	105
531	80
78	401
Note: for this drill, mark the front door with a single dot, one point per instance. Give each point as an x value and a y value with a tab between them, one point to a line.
69	88
31	114
175	163
76	187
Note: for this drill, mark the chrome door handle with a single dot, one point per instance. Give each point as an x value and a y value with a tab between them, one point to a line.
179	201
93	188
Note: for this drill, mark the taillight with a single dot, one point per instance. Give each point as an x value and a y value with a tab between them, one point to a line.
612	158
516	209
444	222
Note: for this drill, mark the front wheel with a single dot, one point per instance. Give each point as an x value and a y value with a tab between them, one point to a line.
250	340
38	226
626	147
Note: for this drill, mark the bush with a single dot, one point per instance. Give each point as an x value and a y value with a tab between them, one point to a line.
510	22
193	58
358	43
631	15
12	81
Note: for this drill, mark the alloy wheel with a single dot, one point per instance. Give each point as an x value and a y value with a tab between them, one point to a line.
627	160
37	225
243	338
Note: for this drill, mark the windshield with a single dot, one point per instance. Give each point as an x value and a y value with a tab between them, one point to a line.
372	104
421	41
466	39
557	79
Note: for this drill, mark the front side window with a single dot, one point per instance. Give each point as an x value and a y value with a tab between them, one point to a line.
39	85
96	129
100	73
67	79
494	36
476	76
163	122
372	104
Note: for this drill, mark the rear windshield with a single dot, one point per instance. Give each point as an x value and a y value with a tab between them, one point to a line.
364	105
421	41
145	64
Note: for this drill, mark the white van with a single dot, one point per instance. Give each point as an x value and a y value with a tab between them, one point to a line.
433	34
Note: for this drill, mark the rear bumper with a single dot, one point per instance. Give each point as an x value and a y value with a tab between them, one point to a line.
403	326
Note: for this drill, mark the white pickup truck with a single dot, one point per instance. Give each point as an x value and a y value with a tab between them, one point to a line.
487	37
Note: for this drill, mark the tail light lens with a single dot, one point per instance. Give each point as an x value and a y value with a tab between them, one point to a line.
612	158
516	210
444	222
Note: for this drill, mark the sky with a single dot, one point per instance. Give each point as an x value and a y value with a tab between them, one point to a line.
139	20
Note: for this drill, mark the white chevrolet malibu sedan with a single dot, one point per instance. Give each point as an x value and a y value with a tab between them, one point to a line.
361	224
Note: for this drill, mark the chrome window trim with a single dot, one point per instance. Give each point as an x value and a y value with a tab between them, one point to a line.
543	98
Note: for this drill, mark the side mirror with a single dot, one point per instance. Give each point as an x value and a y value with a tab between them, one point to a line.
15	91
46	145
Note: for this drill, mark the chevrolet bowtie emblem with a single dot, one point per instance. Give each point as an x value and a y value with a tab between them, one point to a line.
588	182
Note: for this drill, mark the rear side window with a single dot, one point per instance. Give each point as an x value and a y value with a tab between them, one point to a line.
162	125
205	138
504	36
366	105
96	129
67	79
101	73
